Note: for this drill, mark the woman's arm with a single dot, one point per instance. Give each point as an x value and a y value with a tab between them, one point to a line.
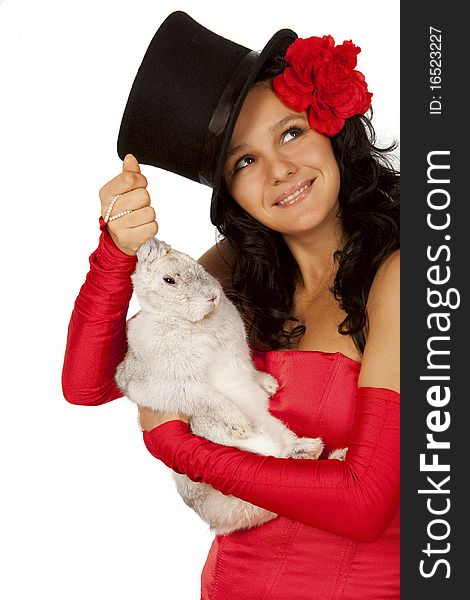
96	340
356	498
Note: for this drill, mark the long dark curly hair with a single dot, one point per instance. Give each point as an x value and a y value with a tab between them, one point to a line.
265	273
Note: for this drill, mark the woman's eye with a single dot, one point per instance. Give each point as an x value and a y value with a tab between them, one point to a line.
294	133
243	162
287	136
169	280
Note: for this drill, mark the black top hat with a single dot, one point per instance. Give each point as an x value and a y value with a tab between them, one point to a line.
186	97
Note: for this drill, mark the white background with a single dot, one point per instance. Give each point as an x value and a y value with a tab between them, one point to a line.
86	511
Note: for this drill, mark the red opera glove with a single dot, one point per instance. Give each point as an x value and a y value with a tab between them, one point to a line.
96	340
356	498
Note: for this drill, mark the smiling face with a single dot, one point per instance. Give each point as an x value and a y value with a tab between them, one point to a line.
279	170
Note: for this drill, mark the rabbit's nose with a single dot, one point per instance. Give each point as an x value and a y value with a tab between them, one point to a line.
214	299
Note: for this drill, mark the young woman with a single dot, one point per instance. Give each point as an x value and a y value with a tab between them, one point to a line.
308	209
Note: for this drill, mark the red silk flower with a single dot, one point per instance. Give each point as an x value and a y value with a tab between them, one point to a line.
322	80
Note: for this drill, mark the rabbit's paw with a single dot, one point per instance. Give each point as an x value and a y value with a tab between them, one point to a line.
339	454
238	430
306	448
269	384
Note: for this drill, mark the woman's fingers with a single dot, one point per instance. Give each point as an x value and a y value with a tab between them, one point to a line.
140	216
121	184
129	239
130	179
130	163
137	218
128	231
135	199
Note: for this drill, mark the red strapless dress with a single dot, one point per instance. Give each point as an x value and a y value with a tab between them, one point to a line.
337	533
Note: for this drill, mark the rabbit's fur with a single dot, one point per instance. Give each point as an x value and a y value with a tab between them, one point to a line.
187	352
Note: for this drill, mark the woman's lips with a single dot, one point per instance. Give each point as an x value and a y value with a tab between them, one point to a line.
297	196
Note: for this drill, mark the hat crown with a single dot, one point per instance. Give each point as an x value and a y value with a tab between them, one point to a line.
182	77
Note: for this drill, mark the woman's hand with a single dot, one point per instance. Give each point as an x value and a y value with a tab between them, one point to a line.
148	418
130	231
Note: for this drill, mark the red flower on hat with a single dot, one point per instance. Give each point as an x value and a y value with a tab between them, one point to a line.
322	79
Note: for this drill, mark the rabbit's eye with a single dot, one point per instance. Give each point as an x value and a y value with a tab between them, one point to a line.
169	280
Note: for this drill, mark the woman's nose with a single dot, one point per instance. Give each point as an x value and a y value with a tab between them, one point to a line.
282	169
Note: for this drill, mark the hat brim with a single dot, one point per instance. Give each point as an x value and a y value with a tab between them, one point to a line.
277	45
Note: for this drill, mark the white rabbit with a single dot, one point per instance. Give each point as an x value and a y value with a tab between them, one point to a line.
187	352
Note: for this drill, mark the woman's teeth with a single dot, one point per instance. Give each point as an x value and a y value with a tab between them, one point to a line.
293	196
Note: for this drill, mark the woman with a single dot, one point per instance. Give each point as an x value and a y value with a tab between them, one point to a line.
309	214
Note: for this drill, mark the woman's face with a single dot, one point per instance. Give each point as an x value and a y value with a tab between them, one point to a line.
278	169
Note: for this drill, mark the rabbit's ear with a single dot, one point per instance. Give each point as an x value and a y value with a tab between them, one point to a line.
161	248
152	249
145	250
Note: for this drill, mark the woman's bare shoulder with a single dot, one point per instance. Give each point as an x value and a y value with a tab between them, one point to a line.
381	359
386	284
219	262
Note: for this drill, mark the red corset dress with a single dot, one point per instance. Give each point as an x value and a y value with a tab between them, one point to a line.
337	536
337	533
